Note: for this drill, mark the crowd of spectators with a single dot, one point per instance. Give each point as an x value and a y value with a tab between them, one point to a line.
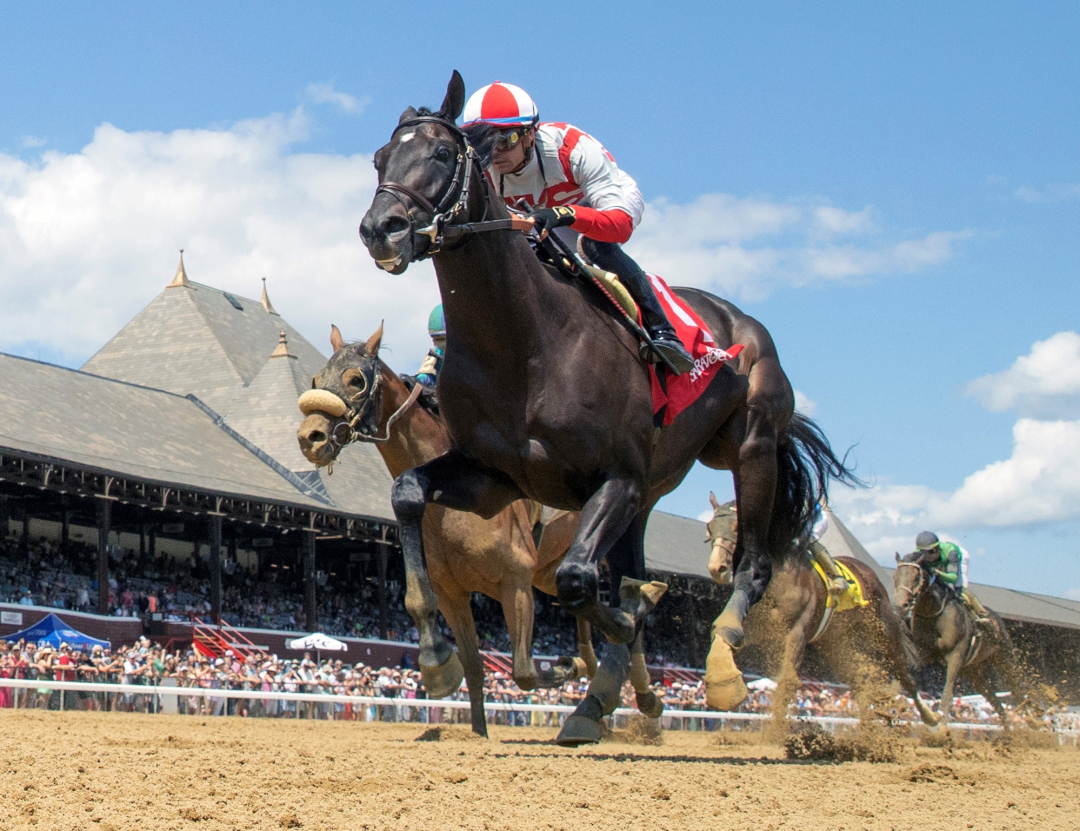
37	572
179	590
145	663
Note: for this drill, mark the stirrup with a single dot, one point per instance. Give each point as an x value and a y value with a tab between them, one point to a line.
669	352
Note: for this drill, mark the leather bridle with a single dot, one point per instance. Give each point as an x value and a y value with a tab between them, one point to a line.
449	208
445	225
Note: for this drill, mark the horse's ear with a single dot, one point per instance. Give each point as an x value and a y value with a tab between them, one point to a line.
897	553
372	345
408	115
454	102
336	340
713	502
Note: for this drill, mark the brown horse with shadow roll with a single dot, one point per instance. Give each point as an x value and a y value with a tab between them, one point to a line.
945	631
498	557
795	611
545	397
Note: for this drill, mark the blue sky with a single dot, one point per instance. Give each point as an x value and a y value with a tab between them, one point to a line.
894	192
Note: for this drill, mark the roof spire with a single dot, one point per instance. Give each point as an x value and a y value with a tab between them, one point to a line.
180	280
267	305
282	349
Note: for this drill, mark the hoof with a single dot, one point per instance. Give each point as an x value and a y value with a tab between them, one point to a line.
581	669
444	679
724	686
645	594
578	730
649	704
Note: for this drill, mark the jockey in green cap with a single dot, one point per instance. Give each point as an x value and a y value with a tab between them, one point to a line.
428	373
947	562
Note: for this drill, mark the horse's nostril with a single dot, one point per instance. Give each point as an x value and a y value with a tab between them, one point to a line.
317	437
394	224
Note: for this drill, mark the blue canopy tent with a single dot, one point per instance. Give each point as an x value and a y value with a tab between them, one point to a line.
53	631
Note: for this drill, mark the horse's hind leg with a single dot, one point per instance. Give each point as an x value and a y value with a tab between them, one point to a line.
455	481
977	676
755	487
459	617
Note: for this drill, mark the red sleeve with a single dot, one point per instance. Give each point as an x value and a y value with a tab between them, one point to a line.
603	226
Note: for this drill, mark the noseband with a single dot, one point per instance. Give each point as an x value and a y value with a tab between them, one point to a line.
359	419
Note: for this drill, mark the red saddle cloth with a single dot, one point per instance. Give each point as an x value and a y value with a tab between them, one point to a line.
683	390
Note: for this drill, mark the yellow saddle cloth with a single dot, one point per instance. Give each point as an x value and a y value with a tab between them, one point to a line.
853	597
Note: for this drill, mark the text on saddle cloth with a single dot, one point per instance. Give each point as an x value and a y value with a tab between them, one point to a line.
680	391
850	599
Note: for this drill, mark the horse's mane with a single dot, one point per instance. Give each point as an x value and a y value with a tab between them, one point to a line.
482	138
913	557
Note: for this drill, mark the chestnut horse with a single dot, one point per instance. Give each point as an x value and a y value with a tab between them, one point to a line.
793	611
544	397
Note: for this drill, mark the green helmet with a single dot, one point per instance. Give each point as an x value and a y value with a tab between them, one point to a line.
926	540
436	326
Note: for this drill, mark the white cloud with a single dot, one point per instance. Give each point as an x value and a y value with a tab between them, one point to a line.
30	142
1073	594
88	238
1045	382
745	248
804	404
1059	192
1039	482
326	94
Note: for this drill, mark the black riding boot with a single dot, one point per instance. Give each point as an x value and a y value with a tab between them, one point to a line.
610	257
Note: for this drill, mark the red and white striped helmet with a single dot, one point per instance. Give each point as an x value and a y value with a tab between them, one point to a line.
501	105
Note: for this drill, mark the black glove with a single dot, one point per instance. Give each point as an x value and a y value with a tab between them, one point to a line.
545	219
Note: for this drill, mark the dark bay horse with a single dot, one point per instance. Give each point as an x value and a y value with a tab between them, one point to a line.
793	612
544	397
944	629
497	557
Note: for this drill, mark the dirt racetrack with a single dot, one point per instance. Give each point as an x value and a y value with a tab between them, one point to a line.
126	772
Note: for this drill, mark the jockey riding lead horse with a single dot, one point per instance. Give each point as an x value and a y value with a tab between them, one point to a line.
545	396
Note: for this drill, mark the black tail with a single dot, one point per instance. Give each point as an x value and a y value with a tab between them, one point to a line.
805	464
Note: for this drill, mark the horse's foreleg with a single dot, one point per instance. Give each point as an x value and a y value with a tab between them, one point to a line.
897	655
519	612
953	664
604	520
459	616
456	482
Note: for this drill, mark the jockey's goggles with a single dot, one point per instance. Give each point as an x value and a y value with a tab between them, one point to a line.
509	139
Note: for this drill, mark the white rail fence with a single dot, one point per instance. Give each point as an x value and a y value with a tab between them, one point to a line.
166	699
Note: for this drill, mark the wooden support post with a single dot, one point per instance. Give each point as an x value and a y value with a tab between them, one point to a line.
384	626
65	524
24	541
5	515
215	569
104	524
310	618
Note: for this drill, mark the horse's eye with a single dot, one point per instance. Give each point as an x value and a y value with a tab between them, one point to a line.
442	154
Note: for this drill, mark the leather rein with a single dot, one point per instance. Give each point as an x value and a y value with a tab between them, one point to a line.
443	226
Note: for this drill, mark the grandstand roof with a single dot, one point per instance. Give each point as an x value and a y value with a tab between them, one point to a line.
675	545
248	365
128	430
